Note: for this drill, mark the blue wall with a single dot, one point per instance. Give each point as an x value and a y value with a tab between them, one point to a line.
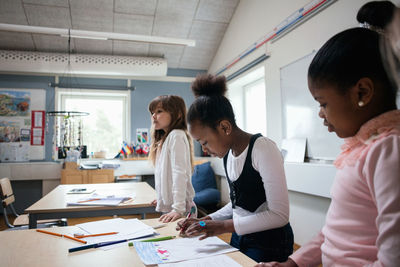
144	92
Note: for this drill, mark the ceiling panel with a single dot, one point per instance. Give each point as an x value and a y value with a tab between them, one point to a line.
48	16
216	10
172	52
61	3
204	21
125	48
12	11
174	22
133	24
16	41
142	7
92	15
211	34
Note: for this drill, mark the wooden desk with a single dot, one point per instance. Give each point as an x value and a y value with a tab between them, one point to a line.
54	204
30	248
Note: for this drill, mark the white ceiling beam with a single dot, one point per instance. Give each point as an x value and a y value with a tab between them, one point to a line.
96	35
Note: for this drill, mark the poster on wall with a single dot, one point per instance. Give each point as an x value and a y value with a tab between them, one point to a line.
16	124
14	103
37	131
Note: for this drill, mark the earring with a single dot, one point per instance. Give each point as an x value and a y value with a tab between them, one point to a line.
360	103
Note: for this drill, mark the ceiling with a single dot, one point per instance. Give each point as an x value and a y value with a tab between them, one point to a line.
204	21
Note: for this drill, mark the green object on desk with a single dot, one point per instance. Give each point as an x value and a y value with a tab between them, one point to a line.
159	239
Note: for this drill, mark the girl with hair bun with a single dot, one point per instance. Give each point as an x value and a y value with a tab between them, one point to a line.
171	152
258	213
357	101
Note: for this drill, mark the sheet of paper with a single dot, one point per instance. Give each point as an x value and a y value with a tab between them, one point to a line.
99	200
124	227
214	261
180	249
294	149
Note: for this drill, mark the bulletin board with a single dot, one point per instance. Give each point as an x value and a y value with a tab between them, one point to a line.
300	112
20	140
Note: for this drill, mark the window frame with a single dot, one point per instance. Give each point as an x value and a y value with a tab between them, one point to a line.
62	93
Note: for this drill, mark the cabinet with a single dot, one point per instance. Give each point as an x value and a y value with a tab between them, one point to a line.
72	175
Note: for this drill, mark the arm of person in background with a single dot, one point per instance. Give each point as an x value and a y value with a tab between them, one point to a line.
382	171
180	158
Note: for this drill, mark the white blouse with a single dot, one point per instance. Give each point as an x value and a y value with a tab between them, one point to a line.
173	174
274	213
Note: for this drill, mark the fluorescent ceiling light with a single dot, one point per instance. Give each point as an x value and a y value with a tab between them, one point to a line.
84	37
96	35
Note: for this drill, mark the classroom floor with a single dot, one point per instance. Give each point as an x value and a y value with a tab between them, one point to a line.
74	221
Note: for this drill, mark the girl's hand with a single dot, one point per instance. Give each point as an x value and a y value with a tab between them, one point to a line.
154	202
211	228
182	225
170	217
288	263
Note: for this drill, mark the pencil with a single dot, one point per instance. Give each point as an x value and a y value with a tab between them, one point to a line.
76	239
84	236
159	239
60	235
47	232
92	199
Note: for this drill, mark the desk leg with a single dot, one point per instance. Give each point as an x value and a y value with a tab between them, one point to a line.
32	221
143	216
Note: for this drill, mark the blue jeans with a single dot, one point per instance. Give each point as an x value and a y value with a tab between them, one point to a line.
270	245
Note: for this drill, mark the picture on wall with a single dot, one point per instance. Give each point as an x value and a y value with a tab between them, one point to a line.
14	103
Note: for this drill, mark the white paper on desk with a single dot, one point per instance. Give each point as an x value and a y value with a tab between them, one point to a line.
214	261
180	249
100	200
127	228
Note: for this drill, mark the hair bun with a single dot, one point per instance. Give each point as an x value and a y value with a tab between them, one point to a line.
376	13
209	85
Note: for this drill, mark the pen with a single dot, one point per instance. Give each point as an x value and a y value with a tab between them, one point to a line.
60	235
192	210
101	244
84	236
96	245
158	239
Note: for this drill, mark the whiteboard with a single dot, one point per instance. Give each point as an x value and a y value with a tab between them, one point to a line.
300	112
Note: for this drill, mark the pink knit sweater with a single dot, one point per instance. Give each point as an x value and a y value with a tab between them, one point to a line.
363	222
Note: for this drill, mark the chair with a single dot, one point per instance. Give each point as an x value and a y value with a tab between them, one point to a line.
207	196
7	200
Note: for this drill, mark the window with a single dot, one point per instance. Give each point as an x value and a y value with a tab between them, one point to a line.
108	122
247	95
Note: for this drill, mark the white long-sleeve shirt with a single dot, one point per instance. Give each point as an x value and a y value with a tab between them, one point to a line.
274	213
173	173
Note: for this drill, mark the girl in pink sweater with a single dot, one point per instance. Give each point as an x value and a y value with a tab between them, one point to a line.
358	102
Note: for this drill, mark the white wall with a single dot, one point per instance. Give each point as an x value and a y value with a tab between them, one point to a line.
251	21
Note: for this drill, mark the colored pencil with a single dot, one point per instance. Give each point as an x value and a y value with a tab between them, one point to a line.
76	239
84	236
60	235
47	232
93	199
158	239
